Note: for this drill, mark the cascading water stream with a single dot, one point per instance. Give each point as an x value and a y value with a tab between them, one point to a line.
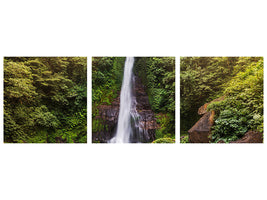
128	122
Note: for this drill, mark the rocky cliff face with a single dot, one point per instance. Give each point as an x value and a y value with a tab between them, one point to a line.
200	132
108	115
147	121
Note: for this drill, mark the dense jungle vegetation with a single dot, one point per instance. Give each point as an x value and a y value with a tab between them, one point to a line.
158	76
238	79
107	74
45	99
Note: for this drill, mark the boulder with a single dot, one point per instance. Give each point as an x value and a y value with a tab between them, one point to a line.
200	132
251	137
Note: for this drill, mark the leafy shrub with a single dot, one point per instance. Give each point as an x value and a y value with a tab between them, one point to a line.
184	139
44	118
158	76
166	123
164	140
229	126
242	109
13	132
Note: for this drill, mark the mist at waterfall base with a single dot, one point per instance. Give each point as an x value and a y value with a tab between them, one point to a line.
129	127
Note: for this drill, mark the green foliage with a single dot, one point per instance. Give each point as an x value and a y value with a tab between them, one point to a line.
44	118
201	80
229	126
18	82
166	123
164	140
97	125
158	76
184	139
242	109
75	131
239	79
40	136
40	94
13	131
107	74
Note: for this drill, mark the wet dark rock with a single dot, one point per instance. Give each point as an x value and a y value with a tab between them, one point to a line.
251	137
200	132
108	115
147	120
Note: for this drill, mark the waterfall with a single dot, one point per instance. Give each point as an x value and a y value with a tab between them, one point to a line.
129	119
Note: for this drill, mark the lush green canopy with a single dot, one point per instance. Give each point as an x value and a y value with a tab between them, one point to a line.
45	99
239	79
158	77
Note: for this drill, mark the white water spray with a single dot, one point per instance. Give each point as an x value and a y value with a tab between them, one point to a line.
128	110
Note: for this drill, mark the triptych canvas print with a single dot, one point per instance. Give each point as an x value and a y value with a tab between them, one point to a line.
133	100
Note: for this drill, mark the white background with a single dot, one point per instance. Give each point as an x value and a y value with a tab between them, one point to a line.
132	171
